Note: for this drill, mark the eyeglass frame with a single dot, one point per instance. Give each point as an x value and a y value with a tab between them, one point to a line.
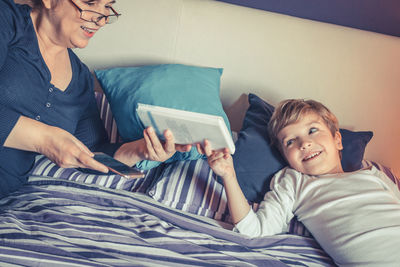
100	17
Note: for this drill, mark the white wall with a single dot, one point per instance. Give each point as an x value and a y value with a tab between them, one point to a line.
355	73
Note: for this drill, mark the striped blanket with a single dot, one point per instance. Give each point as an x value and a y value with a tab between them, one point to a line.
55	222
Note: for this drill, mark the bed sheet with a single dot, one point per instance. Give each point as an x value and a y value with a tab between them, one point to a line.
54	222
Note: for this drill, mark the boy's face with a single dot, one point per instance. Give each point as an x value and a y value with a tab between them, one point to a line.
309	147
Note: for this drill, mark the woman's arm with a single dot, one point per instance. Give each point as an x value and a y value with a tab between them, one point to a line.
57	144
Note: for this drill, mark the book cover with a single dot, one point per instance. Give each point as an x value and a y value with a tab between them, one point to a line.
187	127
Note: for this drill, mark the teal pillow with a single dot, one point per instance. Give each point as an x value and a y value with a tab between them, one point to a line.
178	86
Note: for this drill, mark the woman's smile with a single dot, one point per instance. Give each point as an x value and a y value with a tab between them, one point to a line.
88	31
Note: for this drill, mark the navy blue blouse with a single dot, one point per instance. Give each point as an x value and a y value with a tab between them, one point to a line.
25	89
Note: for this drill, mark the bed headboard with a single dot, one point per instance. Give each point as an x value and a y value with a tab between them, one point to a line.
382	16
356	73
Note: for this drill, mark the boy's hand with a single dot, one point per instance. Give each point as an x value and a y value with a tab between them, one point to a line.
220	161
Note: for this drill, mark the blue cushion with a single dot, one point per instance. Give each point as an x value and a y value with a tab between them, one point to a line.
178	86
256	161
354	144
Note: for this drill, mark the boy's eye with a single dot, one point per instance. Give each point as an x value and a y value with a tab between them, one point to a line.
312	130
289	142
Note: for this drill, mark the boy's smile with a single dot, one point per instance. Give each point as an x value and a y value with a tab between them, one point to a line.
312	156
309	147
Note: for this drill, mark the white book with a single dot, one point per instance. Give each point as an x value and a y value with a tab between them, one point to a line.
187	127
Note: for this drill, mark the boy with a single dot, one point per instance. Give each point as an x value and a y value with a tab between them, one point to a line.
354	216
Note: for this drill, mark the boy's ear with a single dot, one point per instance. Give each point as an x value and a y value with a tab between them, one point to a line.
338	140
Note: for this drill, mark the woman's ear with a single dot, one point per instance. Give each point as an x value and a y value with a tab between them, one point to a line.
338	140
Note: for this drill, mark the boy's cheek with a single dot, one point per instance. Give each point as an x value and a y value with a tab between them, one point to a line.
287	154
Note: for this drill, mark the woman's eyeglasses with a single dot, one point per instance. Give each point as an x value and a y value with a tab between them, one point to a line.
96	17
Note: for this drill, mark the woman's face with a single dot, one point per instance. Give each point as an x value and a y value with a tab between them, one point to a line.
72	31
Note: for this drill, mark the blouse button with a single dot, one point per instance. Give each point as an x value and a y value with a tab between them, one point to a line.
48	104
51	89
38	118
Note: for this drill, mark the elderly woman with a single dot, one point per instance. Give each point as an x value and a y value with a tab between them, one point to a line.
47	100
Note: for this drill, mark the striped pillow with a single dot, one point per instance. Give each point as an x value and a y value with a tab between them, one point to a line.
191	186
106	116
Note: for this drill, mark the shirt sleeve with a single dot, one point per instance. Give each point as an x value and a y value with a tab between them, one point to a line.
8	32
9	27
275	211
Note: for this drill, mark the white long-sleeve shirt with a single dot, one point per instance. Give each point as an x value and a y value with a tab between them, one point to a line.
354	216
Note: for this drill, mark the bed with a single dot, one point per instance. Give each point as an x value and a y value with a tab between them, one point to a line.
177	214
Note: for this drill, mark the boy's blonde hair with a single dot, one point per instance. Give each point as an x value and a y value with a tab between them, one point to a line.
291	110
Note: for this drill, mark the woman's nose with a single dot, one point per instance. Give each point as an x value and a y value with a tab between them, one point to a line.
101	22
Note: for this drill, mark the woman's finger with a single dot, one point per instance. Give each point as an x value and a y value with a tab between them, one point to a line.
149	145
86	161
207	148
155	143
169	145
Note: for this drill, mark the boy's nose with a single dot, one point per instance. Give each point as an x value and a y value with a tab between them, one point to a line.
305	143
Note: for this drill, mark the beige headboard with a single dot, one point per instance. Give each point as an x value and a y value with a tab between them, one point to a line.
355	73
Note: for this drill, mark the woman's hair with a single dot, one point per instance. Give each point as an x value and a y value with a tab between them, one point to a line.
291	110
36	3
39	3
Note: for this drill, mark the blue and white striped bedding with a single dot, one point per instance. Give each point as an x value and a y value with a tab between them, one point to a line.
56	222
190	186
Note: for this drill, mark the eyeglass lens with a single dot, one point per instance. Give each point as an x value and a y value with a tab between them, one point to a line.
96	17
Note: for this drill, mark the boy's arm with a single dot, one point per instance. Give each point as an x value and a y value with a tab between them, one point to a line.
274	213
276	210
222	164
237	203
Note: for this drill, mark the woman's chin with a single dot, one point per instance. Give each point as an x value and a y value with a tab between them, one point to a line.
80	44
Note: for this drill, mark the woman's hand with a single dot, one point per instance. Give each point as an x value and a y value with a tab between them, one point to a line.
67	151
220	161
58	145
149	148
157	151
